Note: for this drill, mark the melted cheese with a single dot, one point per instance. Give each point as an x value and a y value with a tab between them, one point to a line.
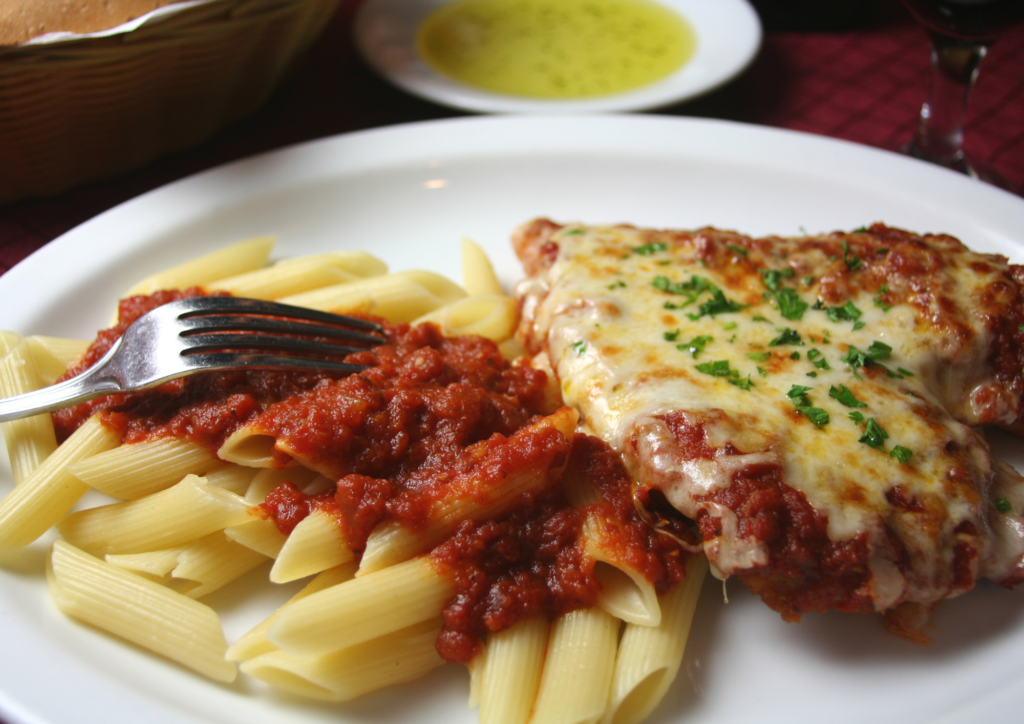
623	316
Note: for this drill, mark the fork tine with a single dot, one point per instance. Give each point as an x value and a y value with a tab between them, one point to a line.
203	325
200	306
206	343
233	361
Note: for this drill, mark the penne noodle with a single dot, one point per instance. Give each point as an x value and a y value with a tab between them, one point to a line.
130	472
267	479
399	297
393	658
183	512
54	355
255	642
212	562
354	261
488	315
363	609
233	478
510	672
50	491
279	280
251	449
143	612
478	275
235	259
649	657
578	669
391	542
260	535
29	440
625	591
316	544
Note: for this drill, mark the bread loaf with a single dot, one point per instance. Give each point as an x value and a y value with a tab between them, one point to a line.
22	20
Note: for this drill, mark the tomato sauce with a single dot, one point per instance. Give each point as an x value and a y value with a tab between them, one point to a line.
430	419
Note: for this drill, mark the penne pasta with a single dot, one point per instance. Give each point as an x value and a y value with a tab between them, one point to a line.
50	491
29	440
261	536
392	542
489	315
649	657
130	472
625	591
393	658
233	478
143	612
362	609
478	275
235	259
578	669
510	671
256	642
399	297
183	512
53	355
316	544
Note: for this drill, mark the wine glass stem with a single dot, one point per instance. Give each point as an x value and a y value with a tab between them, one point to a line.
940	131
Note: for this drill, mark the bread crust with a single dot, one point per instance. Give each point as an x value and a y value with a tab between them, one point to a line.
22	20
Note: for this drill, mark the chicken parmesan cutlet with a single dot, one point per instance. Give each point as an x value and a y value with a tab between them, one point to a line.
811	403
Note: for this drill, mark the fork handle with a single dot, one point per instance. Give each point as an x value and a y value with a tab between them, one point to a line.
86	386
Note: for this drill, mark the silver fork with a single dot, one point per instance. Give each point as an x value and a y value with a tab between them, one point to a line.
205	334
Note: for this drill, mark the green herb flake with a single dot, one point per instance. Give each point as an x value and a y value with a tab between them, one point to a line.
844	396
816	415
759	356
901	453
859	325
879	350
905	373
786	336
649	249
808	281
572	232
696	345
791	306
852	262
874	436
580	347
812	374
772	277
759	318
718	304
798	394
617	285
856	417
1003	505
818	359
718	368
795	355
743	384
879	302
672	336
762	371
728	326
738	249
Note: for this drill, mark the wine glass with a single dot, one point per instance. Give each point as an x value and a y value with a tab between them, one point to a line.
961	32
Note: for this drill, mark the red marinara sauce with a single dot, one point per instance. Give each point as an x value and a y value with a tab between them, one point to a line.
430	417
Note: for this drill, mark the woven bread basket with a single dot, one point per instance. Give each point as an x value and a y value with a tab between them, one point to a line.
91	108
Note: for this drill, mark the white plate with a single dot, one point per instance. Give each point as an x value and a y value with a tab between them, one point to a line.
410	194
728	36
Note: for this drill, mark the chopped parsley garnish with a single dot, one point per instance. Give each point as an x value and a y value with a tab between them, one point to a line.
729	326
901	453
843	394
718	304
737	249
718	368
856	417
617	285
812	374
580	347
879	350
759	356
874	436
791	306
759	318
572	232
1003	505
818	359
795	355
696	345
808	281
879	302
762	371
744	384
648	249
848	313
691	289
905	373
856	358
772	277
852	262
787	336
798	394
672	336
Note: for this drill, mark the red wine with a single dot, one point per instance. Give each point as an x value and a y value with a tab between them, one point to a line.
968	19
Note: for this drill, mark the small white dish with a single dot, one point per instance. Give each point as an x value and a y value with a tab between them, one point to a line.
728	37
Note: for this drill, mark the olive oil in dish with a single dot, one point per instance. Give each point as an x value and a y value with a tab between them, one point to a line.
556	49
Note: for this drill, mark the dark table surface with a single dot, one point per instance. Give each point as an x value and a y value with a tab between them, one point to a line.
855	70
